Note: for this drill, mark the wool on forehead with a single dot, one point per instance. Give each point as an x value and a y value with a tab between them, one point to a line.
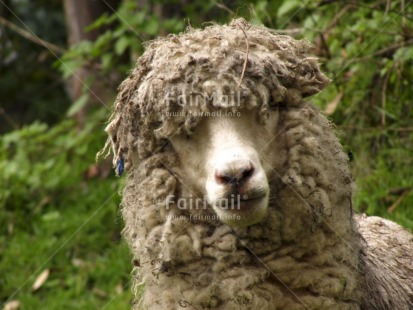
221	67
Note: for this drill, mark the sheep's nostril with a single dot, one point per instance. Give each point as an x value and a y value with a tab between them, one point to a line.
248	172
234	174
223	179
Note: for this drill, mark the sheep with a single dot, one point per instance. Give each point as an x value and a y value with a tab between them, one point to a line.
238	194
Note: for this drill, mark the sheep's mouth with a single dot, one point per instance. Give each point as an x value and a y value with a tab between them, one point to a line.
242	203
247	205
243	213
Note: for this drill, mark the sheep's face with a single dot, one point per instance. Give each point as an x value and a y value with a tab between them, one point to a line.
229	160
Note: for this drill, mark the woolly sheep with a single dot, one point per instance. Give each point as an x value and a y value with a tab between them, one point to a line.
238	193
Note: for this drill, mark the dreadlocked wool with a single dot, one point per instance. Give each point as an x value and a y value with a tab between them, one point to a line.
306	253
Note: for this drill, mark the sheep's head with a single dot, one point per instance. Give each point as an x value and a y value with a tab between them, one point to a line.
228	158
169	104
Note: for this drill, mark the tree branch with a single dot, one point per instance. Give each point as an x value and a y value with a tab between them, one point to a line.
31	37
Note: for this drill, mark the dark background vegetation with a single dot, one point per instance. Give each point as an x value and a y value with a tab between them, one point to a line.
60	64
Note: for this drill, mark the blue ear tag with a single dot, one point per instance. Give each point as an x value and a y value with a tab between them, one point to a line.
120	167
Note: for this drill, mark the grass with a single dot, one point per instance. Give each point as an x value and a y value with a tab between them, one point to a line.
79	243
387	192
57	216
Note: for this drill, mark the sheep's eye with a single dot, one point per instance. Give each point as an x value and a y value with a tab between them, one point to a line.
188	137
277	106
273	106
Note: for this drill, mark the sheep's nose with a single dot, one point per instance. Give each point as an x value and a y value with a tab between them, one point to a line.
234	173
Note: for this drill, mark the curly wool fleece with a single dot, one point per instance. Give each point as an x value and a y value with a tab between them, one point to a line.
304	254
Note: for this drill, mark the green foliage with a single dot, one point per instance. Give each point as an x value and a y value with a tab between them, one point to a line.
29	89
57	216
367	54
127	29
381	191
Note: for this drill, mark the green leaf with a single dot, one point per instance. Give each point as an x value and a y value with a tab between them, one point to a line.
151	26
103	20
404	54
51	216
78	105
106	61
287	7
121	45
101	44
